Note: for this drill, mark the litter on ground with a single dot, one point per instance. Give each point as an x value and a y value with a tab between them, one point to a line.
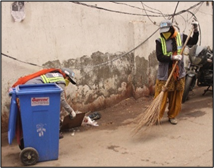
88	121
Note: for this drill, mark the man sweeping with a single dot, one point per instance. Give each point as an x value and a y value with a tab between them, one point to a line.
168	51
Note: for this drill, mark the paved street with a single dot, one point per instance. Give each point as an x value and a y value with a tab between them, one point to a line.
189	143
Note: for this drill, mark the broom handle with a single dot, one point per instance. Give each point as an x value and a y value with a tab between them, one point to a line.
173	69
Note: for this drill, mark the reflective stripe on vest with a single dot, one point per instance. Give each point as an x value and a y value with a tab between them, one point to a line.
51	80
179	45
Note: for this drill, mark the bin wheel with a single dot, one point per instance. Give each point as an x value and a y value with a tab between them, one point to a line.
21	146
29	156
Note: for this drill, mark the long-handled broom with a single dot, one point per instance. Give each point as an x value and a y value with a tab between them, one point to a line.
151	115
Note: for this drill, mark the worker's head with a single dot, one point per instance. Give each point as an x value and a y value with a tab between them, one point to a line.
69	76
166	28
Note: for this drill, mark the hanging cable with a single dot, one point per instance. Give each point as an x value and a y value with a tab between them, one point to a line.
21	61
147	14
193	15
196	11
186	10
134	7
174	11
109	10
159	12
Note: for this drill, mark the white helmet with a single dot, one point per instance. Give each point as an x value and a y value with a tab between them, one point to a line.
70	74
165	26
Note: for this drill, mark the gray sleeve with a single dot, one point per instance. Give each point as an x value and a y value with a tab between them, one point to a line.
64	103
37	80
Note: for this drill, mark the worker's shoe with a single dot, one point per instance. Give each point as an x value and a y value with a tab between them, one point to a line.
60	135
173	121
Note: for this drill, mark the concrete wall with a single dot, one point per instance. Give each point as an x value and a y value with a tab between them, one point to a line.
92	42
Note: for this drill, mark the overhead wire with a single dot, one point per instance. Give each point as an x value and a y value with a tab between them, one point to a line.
134	7
147	14
173	17
175	11
196	10
20	60
156	10
92	6
109	10
182	11
193	15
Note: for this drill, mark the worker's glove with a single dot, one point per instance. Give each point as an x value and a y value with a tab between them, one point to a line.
176	57
164	88
10	91
195	26
72	115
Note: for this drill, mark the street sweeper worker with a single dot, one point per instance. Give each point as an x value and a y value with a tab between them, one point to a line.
61	77
168	48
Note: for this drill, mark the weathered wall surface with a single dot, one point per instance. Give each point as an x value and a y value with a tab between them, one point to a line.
93	43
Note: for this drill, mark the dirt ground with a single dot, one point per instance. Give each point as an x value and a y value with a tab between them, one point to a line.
189	143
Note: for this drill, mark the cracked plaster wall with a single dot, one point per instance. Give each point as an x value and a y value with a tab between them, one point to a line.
107	84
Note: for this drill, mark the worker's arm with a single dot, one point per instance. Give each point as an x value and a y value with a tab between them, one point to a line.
192	40
64	103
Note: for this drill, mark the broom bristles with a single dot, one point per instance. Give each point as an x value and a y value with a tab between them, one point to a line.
150	116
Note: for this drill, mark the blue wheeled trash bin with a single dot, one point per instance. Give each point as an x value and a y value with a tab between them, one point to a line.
38	106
